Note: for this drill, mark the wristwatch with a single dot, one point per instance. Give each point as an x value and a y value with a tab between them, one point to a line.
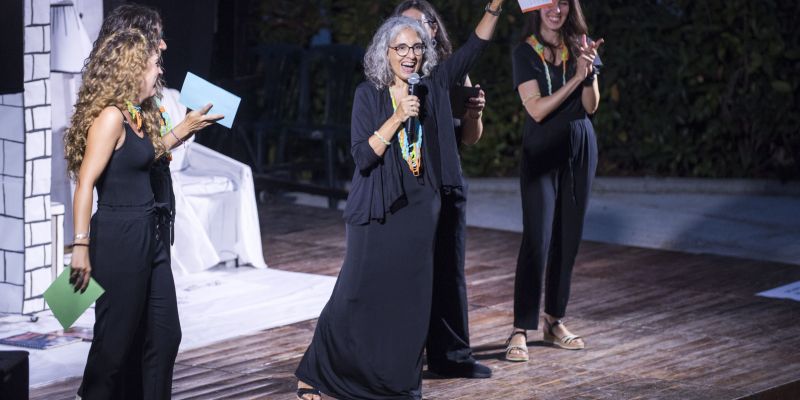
590	79
496	13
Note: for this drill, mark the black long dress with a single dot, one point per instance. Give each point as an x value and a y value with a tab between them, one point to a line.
370	337
360	351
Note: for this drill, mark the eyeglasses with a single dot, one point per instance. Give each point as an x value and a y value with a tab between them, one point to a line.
402	49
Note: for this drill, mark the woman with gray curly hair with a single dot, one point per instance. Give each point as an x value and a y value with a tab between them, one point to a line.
370	337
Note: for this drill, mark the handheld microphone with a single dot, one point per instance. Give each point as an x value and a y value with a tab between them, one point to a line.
413	80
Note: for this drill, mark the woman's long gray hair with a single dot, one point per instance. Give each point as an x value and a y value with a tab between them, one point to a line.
376	60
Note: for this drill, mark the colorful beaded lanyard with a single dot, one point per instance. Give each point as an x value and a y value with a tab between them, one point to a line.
166	122
539	48
136	114
412	152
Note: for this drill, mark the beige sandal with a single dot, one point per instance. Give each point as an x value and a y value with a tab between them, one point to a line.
568	342
522	351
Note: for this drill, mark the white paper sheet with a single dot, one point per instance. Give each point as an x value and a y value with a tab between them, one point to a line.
790	291
530	5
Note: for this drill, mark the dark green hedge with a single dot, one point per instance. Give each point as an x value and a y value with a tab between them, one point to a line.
690	88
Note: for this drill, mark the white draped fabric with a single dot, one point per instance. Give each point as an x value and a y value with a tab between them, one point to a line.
216	218
70	45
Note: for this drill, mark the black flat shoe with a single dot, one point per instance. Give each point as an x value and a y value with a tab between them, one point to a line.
469	370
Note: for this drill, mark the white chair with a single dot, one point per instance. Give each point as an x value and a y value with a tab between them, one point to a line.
216	216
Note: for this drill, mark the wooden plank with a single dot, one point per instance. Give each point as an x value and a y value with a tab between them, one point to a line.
658	325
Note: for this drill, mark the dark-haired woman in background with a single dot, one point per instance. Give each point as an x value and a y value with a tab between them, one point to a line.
448	349
556	77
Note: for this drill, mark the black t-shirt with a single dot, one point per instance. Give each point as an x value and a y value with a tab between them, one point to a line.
529	66
547	142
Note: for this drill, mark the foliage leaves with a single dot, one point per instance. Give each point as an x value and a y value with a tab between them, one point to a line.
689	88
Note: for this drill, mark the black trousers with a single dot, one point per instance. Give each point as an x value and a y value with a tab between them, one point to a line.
554	202
137	330
448	332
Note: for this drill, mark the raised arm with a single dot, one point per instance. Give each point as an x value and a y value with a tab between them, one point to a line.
462	59
485	28
104	136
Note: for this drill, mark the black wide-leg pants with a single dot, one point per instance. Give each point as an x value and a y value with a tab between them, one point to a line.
448	332
554	203
137	330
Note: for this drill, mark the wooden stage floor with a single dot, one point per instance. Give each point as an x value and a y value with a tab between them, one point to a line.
658	325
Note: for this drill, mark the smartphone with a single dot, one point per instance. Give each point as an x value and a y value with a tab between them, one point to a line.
459	96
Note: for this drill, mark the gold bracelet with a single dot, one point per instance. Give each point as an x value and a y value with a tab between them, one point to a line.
530	97
384	141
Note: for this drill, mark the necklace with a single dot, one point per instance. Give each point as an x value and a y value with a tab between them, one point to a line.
136	114
412	152
539	48
166	122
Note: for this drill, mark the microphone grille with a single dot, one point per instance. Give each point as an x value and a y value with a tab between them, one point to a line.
413	78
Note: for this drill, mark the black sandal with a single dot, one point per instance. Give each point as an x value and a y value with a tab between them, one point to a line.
304	391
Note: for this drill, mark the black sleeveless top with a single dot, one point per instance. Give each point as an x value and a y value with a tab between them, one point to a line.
126	179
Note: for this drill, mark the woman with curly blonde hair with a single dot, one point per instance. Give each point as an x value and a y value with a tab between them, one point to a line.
113	139
148	21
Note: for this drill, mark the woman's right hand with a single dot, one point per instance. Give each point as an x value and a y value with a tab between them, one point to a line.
407	107
199	119
80	268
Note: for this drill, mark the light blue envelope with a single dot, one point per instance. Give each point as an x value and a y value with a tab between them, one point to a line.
197	92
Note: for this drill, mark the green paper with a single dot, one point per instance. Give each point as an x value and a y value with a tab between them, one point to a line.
67	304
